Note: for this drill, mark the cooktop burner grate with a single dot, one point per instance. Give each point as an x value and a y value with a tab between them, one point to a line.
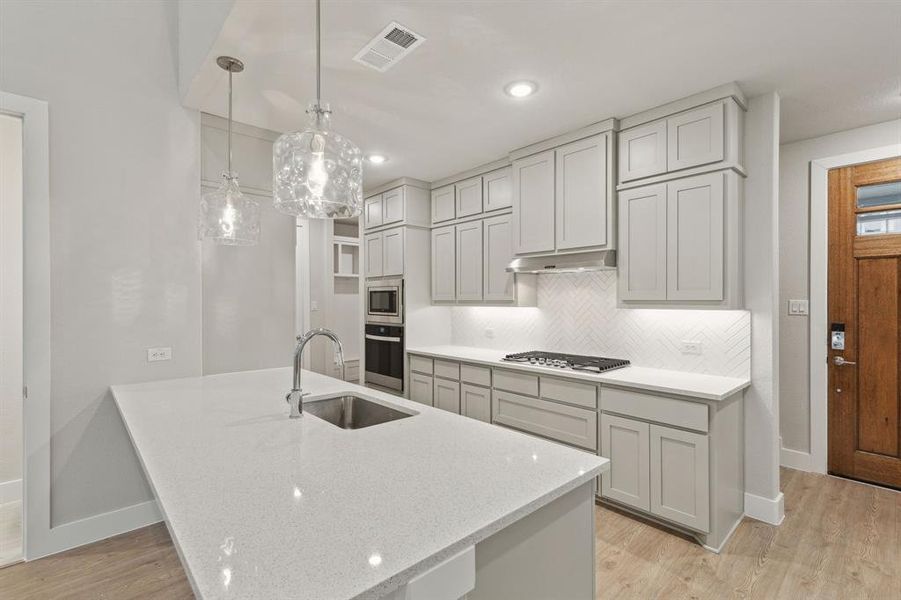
575	362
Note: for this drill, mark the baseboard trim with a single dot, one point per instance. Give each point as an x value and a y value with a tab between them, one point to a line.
795	459
10	491
768	510
98	527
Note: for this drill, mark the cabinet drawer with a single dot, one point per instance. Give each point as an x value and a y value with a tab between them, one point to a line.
650	407
447	369
570	392
511	381
476	375
421	364
566	424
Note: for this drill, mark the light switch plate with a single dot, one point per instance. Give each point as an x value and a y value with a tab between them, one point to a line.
797	307
158	354
691	347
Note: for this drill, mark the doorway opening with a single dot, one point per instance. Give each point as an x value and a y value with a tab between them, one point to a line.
11	340
864	319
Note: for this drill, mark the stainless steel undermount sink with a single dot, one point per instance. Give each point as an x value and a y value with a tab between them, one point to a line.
352	412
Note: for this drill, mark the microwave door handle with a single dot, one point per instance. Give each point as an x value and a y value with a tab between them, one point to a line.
382	338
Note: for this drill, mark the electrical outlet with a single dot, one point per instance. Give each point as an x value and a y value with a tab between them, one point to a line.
691	347
797	307
489	333
158	354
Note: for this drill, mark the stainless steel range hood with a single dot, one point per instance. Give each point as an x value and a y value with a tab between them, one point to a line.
599	260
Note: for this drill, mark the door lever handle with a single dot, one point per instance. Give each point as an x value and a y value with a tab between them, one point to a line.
840	361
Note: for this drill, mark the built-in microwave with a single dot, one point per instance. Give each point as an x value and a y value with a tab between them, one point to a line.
385	301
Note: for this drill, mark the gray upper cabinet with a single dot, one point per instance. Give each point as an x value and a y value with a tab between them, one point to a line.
581	194
372	212
497	253
642	151
694	238
469	261
374	259
695	137
393	251
393	206
444	264
642	243
497	189
468	195
443	204
533	203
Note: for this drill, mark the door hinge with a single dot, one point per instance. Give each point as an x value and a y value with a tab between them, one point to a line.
24	392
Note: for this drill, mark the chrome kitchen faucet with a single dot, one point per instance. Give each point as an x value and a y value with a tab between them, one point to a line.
295	396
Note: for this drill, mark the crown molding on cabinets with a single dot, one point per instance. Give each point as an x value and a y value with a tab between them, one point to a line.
217	122
396	183
566	138
729	90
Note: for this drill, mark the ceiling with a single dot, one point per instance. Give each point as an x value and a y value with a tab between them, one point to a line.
442	109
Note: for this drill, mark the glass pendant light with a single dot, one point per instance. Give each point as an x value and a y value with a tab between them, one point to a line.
227	216
317	173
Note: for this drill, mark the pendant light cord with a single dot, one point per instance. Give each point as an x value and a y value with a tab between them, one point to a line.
230	122
318	57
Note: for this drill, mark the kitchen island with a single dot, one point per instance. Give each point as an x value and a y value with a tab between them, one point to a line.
263	506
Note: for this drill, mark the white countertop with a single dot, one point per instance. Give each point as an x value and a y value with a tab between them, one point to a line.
263	506
681	383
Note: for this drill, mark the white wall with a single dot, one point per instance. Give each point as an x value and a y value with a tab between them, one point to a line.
794	256
125	260
763	499
248	292
10	307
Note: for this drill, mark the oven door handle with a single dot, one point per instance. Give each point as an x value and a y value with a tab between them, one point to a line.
382	338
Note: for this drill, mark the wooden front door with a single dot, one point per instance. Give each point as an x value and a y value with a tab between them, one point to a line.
865	301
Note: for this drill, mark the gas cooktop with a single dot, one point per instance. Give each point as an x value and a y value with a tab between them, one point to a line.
596	364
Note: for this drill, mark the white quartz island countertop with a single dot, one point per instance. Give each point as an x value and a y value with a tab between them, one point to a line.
680	383
263	506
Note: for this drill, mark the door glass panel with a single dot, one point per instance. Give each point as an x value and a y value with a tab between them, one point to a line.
879	223
879	194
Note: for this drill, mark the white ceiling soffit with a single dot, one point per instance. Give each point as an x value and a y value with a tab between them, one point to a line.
442	109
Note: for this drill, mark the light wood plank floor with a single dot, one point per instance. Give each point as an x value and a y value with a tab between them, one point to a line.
840	540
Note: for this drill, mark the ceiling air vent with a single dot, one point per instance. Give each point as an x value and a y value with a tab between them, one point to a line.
387	48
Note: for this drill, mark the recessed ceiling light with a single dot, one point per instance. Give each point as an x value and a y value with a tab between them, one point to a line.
376	159
520	89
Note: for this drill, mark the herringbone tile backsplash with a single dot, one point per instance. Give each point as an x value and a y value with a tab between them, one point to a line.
577	313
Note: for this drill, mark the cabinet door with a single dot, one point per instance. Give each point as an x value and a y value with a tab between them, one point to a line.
421	388
497	253
642	243
533	203
469	261
475	402
626	443
469	197
372	212
642	151
443	204
393	251
447	395
680	479
497	189
694	235
695	137
374	258
581	179
393	206
444	264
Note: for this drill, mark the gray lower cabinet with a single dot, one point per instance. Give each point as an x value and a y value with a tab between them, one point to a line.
475	402
680	484
447	395
567	424
627	444
421	388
